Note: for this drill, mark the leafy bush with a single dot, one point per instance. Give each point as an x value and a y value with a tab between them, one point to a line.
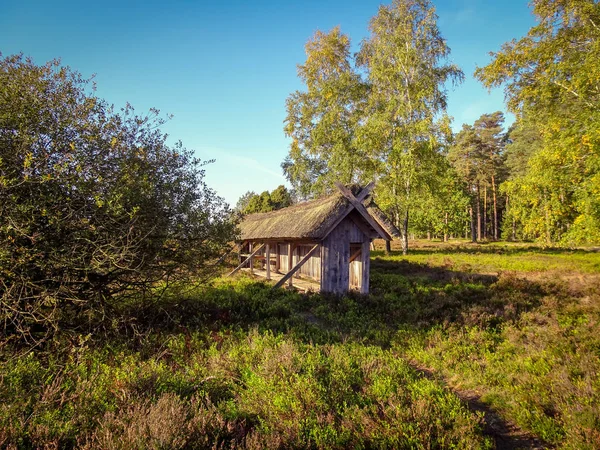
93	202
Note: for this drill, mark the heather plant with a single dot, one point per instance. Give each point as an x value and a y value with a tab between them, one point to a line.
247	390
241	365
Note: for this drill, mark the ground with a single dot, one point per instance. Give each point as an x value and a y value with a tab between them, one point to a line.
458	345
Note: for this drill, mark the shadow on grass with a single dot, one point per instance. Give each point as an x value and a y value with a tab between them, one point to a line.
404	295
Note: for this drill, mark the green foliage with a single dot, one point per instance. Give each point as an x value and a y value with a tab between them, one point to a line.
281	197
551	79
444	211
548	193
250	202
244	200
93	203
477	155
523	141
323	120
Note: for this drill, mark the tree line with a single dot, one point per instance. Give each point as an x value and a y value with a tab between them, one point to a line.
380	114
251	202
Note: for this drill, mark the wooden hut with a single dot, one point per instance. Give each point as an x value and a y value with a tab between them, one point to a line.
321	245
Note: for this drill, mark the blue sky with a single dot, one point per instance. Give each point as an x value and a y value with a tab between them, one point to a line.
224	69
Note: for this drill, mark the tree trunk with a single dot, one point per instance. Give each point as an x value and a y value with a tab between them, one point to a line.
485	221
469	211
495	208
428	235
396	220
446	228
514	222
548	227
478	212
514	230
472	223
405	234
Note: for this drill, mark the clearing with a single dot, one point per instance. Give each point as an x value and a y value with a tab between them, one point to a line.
458	346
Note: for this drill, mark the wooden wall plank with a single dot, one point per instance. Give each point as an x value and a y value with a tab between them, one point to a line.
283	250
335	266
298	265
312	268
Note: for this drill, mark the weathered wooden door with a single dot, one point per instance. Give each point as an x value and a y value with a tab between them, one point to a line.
355	266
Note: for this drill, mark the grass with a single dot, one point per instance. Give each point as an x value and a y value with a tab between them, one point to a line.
501	257
239	365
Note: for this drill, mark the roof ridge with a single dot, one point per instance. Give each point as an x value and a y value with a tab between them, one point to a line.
298	205
311	219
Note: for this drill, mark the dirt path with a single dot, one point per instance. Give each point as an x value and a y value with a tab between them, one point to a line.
506	435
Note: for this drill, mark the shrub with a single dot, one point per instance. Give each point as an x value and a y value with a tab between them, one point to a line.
93	202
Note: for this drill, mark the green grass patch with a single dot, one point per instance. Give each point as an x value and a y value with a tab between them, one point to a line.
232	389
240	365
501	257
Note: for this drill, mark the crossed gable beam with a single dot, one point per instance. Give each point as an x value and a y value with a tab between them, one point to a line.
356	203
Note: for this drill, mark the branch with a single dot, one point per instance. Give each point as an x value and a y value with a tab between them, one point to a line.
568	89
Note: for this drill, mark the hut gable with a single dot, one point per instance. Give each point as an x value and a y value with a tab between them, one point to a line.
339	270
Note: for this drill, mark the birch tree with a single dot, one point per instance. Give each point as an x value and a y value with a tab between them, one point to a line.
406	62
322	120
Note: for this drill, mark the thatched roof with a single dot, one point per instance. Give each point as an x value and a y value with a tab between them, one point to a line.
381	218
307	220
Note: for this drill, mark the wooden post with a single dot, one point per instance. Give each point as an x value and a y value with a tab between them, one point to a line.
277	259
290	263
251	259
268	261
288	276
366	267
